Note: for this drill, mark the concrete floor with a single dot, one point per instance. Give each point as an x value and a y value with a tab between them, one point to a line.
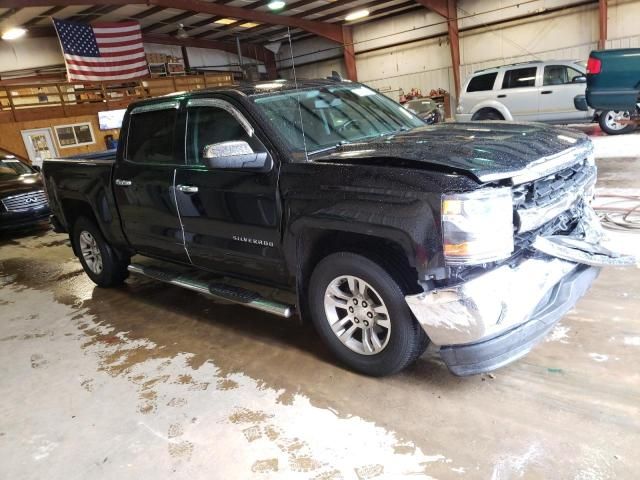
151	381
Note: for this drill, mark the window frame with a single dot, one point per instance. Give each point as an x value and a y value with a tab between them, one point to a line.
173	105
72	126
227	106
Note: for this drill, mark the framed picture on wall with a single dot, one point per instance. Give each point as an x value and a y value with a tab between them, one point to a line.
75	135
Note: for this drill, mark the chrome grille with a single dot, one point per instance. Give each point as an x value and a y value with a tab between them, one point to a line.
25	201
541	200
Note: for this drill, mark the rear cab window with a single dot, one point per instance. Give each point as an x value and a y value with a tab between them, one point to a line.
520	77
482	83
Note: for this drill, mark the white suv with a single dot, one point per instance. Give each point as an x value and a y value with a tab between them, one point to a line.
532	91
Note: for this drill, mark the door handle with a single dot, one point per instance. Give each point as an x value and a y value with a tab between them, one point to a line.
123	183
546	92
502	96
187	188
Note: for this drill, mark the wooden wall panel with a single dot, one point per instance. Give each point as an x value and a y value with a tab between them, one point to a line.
11	137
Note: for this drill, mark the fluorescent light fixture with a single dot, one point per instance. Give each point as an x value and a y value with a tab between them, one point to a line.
249	25
226	21
13	33
357	15
276	5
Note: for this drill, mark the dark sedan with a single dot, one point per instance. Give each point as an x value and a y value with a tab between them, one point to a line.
427	109
23	201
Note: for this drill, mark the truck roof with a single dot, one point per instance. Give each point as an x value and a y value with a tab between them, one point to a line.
251	88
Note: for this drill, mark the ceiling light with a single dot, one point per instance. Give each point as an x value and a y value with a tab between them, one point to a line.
249	25
276	5
225	21
357	15
13	33
181	33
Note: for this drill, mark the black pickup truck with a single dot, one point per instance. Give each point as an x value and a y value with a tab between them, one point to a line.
388	234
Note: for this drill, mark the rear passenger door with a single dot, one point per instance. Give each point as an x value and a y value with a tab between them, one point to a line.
556	95
231	216
143	180
519	92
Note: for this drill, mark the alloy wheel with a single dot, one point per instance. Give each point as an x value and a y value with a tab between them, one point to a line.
91	252
357	315
613	119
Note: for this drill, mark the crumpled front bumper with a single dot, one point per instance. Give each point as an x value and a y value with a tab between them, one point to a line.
496	317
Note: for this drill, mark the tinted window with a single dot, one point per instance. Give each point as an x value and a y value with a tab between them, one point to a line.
209	125
151	137
519	77
482	83
560	74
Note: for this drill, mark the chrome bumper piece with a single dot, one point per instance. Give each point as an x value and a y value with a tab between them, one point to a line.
506	297
489	304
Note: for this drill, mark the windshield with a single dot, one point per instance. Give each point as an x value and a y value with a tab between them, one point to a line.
333	115
423	105
11	168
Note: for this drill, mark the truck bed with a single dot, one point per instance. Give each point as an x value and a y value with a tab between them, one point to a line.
77	182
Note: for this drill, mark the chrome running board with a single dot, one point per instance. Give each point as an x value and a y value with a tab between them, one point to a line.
217	290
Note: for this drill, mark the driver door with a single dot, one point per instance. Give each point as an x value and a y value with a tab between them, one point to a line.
231	215
560	84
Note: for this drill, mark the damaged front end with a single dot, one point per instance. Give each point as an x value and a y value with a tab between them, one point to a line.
496	315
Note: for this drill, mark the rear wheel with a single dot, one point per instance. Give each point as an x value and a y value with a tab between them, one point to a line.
487	114
360	312
100	261
613	122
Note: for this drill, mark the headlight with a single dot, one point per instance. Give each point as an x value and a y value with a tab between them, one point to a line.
477	227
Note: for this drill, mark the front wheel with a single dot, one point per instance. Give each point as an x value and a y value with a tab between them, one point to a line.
360	312
100	261
614	122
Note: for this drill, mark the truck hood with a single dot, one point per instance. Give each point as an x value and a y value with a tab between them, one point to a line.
488	151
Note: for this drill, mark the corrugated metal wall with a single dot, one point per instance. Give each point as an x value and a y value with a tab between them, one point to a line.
426	64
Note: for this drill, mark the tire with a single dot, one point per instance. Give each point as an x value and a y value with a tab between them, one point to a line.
488	114
609	125
400	339
100	261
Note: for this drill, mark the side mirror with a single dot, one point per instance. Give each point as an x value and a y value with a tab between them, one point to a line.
36	168
580	79
235	155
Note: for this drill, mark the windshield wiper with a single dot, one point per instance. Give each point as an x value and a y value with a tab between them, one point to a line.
331	147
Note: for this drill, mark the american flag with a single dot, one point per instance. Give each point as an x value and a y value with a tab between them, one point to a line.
103	51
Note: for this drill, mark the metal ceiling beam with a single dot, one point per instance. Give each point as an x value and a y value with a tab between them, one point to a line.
376	15
9	13
332	32
448	10
323	8
602	22
168	21
46	14
331	16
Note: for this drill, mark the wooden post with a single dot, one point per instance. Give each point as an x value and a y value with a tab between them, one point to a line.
13	107
602	16
105	98
62	102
